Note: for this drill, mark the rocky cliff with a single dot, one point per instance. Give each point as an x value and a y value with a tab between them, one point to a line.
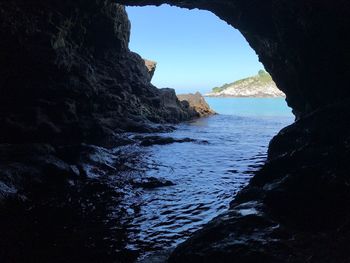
67	74
260	86
68	77
197	103
151	66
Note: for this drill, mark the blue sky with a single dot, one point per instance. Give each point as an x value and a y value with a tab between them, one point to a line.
194	49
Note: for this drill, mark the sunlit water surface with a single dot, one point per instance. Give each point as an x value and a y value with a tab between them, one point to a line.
206	175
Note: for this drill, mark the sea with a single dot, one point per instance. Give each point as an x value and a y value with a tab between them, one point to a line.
207	173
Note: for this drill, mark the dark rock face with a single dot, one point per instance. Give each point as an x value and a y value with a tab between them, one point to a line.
197	103
67	74
55	209
152	182
68	78
159	140
163	140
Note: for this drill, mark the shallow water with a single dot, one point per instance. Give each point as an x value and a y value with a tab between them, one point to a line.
206	175
254	107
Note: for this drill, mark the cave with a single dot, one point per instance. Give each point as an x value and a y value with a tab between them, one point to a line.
68	80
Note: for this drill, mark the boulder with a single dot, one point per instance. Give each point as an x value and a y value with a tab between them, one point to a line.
151	66
196	102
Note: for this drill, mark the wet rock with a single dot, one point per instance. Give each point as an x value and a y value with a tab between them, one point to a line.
197	103
26	166
151	182
58	204
158	140
233	236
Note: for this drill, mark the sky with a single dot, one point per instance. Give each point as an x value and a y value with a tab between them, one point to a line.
194	49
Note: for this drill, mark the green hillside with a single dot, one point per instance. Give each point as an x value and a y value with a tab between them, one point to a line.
261	79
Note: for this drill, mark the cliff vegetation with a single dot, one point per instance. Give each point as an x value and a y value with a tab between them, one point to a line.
260	85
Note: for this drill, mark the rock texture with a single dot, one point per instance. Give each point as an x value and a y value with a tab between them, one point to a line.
67	74
68	80
196	102
259	86
56	203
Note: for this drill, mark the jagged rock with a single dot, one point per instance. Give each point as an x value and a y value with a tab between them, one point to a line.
197	103
67	74
171	103
54	206
24	166
151	66
151	182
159	140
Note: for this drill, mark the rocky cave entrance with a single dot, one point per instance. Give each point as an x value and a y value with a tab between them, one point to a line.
195	51
168	215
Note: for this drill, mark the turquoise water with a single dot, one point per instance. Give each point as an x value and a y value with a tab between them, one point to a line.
250	106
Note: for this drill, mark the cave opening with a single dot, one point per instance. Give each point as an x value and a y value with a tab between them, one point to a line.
192	50
223	151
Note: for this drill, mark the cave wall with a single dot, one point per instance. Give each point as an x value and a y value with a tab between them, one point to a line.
303	44
67	74
69	89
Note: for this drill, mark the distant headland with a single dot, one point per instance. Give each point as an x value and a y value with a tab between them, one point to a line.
258	86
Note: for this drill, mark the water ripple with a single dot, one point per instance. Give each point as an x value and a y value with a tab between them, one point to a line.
206	177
